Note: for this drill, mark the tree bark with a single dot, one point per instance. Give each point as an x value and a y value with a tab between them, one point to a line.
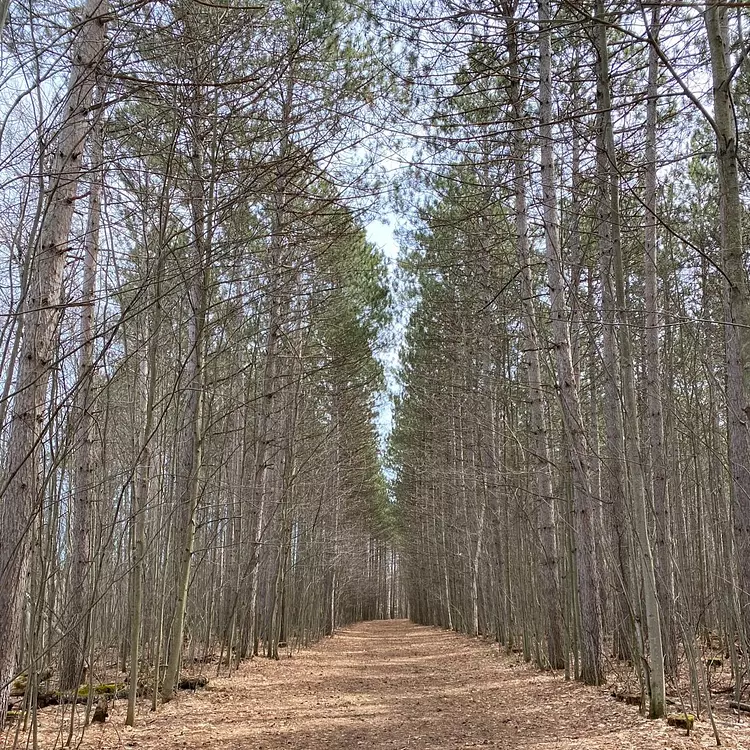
609	233
655	418
737	291
538	448
592	671
188	479
267	478
74	644
142	481
41	318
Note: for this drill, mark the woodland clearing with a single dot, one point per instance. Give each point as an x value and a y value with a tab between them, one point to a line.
393	685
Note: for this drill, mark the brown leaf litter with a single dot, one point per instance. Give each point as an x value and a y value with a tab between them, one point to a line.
390	685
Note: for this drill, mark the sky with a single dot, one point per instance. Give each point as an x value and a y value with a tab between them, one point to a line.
382	235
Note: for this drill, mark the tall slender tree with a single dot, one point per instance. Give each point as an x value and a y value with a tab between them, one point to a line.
21	485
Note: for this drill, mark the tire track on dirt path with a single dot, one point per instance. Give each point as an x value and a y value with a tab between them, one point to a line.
392	685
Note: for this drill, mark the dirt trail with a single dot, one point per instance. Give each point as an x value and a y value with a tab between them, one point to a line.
392	686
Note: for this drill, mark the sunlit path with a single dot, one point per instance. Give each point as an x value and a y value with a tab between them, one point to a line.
315	313
392	685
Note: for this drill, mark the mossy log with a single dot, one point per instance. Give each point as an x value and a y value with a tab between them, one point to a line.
108	691
683	721
57	698
105	688
18	686
192	683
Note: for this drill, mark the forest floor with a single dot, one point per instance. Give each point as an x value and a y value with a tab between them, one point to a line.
392	686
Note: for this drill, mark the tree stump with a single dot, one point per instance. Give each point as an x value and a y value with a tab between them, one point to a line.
683	721
100	712
192	683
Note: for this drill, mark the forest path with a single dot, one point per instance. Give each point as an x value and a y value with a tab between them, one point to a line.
393	686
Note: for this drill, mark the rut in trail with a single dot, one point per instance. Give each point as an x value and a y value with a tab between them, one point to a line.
392	685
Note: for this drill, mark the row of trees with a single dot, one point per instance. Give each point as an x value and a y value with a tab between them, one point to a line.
571	439
187	435
187	405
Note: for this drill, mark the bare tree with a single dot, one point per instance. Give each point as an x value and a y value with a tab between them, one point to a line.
42	313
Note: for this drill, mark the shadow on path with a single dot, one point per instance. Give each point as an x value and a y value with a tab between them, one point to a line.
393	685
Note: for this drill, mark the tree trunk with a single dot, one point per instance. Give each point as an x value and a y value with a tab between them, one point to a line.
75	641
592	671
267	472
609	232
188	479
737	292
142	481
614	463
538	453
655	419
41	318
